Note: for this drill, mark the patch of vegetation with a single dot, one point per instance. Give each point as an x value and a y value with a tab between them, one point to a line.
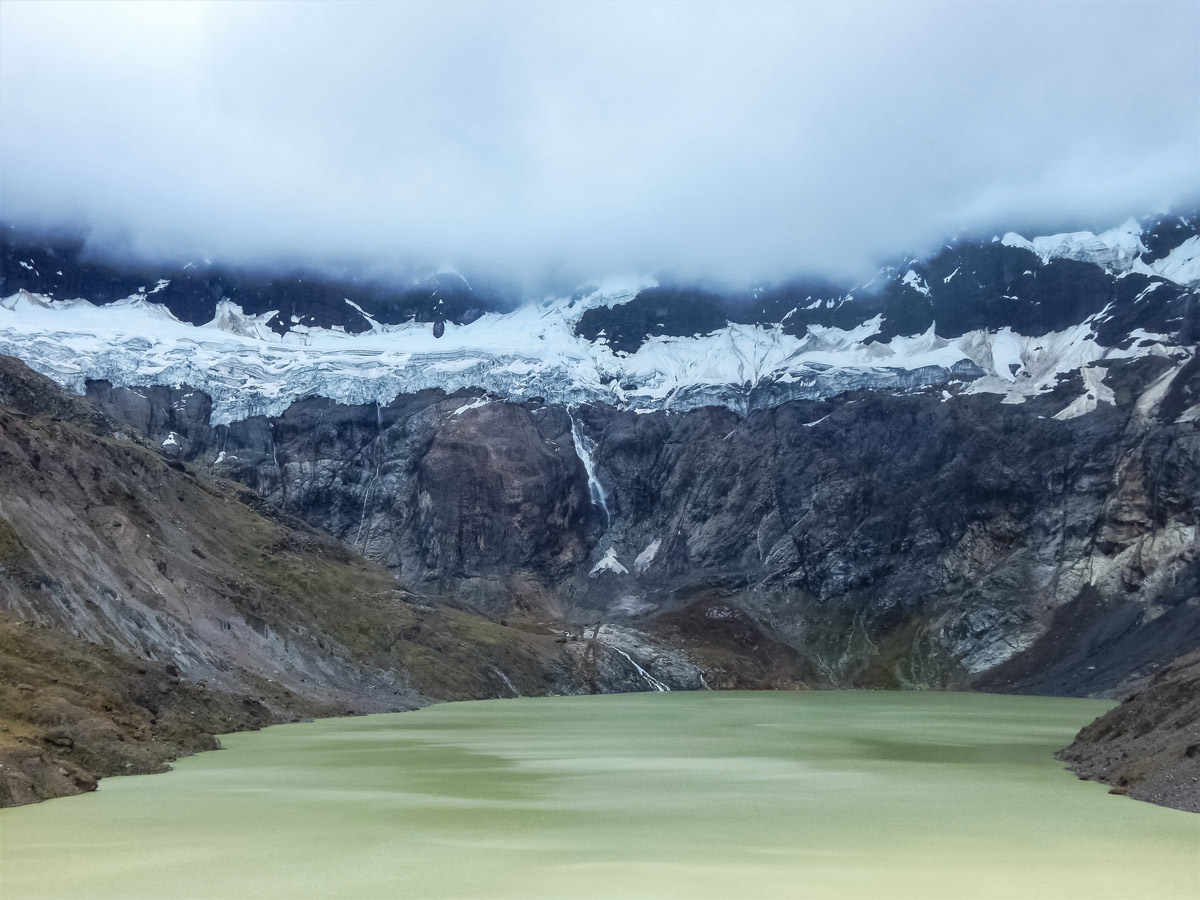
907	657
13	553
73	711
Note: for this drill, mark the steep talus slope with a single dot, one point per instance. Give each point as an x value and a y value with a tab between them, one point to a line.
1149	746
73	710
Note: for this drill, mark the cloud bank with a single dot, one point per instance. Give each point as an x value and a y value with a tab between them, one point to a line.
563	141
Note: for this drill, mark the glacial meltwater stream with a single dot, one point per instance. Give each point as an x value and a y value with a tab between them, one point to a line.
656	795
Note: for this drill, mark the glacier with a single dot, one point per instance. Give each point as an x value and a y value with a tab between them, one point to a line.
533	352
248	369
1118	250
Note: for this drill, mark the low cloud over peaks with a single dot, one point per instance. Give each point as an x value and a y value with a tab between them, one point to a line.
535	140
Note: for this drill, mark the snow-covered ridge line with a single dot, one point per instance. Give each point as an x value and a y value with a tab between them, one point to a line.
248	369
1118	250
1114	249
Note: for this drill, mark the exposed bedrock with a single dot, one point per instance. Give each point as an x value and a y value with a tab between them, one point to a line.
886	539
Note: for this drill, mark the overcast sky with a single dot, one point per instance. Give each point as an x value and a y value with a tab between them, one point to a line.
572	140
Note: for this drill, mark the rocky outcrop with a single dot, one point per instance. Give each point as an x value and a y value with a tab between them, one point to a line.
1149	746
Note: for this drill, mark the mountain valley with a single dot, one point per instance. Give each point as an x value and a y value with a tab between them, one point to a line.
980	473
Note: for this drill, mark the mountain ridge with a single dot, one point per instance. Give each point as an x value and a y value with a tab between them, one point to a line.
1003	319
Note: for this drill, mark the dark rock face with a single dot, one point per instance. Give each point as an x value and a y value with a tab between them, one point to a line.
891	540
500	491
983	292
446	494
971	523
62	267
658	311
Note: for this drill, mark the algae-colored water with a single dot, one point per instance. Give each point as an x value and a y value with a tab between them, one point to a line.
760	795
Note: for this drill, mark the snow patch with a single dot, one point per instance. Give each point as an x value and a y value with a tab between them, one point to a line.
916	282
609	563
474	404
1147	290
450	270
366	315
1181	265
1006	354
642	563
1095	391
1116	249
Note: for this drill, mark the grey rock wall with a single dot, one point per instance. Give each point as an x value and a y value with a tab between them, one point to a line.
888	539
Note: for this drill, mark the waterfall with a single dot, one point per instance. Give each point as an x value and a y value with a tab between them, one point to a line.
370	484
507	682
583	449
654	683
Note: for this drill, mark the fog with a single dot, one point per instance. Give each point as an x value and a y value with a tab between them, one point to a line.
552	142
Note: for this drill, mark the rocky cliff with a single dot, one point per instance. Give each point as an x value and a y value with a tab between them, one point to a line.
891	540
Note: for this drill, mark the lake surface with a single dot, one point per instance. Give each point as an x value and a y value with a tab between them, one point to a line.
753	796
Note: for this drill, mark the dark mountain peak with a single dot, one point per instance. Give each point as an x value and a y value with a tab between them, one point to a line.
62	268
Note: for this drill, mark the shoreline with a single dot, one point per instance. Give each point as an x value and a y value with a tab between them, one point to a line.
202	741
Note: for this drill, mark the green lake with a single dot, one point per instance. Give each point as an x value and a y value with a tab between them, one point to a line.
752	796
